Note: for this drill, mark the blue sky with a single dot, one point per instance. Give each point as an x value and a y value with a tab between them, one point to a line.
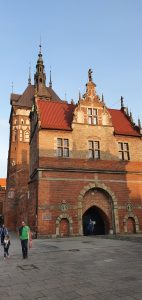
105	35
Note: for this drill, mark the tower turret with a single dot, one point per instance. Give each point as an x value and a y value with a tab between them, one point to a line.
40	77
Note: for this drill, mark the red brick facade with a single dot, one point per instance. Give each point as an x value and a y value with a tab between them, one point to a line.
2	197
85	162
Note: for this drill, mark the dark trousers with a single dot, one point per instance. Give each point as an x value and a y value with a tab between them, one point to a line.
2	239
24	244
6	253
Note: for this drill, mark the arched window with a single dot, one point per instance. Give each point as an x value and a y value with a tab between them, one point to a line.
22	121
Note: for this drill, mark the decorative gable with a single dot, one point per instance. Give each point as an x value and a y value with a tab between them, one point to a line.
90	109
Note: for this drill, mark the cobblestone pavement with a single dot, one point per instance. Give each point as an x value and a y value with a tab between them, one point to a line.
87	268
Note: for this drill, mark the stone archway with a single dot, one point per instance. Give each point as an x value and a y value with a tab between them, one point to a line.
64	218
113	204
131	222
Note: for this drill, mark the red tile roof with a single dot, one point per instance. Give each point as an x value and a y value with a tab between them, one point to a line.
3	182
121	123
59	115
56	115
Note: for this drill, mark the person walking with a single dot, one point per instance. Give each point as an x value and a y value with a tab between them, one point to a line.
90	227
6	245
4	232
24	235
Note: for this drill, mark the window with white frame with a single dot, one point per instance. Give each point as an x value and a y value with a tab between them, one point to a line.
92	116
62	147
123	151
94	149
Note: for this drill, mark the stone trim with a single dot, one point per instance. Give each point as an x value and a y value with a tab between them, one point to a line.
58	220
113	200
133	216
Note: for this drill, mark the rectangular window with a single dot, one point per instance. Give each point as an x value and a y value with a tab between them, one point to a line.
92	116
63	147
94	149
21	135
123	151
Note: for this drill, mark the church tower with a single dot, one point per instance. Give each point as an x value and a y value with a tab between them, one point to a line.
17	195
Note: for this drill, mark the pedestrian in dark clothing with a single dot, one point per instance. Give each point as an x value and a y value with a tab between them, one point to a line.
6	245
0	230
4	232
90	227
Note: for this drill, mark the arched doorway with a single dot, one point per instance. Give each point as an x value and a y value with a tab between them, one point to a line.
99	220
131	228
64	227
97	194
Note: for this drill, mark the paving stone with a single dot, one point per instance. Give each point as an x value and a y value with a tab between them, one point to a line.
102	269
138	296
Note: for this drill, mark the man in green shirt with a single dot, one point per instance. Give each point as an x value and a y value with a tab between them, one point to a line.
25	235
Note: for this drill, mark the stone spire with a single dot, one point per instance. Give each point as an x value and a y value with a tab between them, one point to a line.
79	95
50	82
40	77
29	79
131	117
102	100
90	74
122	102
139	123
140	126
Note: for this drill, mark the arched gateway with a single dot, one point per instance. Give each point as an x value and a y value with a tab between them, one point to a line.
97	205
95	221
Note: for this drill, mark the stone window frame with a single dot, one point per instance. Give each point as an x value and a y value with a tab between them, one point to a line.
21	135
62	147
15	122
26	136
93	149
15	135
27	122
123	149
135	218
92	116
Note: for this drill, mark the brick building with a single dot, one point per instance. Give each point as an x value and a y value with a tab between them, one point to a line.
2	197
85	163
